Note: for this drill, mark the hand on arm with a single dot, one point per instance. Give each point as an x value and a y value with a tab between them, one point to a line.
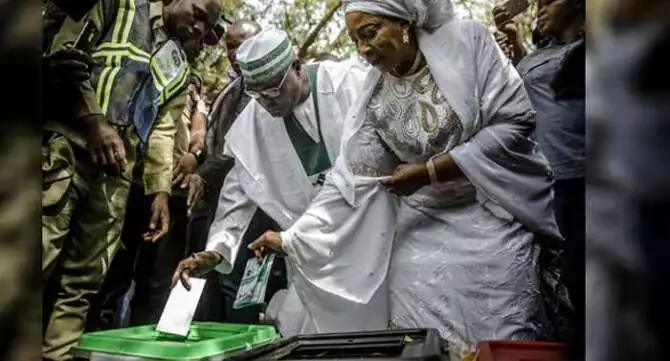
409	178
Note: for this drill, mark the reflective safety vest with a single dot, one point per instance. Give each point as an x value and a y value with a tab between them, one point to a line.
140	67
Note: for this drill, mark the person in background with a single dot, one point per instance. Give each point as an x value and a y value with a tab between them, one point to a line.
93	143
282	143
509	38
560	129
209	176
205	184
146	263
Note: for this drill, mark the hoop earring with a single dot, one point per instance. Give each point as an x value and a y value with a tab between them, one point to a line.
405	36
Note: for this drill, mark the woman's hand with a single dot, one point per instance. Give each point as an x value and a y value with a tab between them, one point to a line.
407	179
269	242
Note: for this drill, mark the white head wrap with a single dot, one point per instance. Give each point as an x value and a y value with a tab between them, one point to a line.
428	15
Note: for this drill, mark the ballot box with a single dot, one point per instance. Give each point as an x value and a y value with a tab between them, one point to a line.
205	341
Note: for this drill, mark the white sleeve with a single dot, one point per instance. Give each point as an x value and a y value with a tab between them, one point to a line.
353	82
233	216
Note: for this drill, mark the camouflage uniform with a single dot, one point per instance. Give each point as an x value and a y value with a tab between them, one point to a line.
83	208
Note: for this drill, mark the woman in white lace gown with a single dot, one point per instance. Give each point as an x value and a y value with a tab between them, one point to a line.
453	258
447	116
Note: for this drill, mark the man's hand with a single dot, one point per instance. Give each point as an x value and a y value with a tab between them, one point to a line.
407	179
68	65
269	242
187	165
505	45
159	224
504	22
511	42
196	188
106	146
197	265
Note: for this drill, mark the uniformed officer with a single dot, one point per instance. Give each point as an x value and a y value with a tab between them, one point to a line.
112	127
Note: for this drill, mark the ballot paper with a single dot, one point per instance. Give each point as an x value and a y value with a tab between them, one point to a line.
254	283
180	308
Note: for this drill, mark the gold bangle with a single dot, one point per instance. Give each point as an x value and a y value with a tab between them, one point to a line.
432	172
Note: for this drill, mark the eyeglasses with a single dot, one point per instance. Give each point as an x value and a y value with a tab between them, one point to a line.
268	93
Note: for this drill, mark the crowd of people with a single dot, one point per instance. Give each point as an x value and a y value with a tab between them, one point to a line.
433	180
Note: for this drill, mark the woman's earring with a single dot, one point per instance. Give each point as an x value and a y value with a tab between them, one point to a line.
405	36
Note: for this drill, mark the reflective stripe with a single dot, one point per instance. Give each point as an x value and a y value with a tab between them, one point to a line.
104	76
176	86
120	34
118	25
126	47
159	79
124	21
108	87
168	80
129	22
108	54
118	47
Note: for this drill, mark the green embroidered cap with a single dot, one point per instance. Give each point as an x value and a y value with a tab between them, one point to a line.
265	56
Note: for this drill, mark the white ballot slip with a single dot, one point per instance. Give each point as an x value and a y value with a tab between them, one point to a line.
180	308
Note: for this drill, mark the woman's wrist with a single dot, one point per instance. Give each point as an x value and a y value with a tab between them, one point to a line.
432	172
445	168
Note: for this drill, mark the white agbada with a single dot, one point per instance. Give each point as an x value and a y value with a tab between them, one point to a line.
268	174
469	270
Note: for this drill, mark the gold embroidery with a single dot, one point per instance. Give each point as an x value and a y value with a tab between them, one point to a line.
413	117
428	117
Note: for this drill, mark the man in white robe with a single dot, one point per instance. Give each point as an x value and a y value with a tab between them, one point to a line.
283	144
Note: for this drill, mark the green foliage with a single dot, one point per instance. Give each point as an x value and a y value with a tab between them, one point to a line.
299	18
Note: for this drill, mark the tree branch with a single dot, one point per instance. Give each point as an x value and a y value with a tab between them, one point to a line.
315	32
338	40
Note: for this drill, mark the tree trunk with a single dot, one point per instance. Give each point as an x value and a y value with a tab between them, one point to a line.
314	33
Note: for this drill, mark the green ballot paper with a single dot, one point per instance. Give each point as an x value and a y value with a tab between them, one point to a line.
254	283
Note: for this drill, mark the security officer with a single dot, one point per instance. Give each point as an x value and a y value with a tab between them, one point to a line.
115	126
